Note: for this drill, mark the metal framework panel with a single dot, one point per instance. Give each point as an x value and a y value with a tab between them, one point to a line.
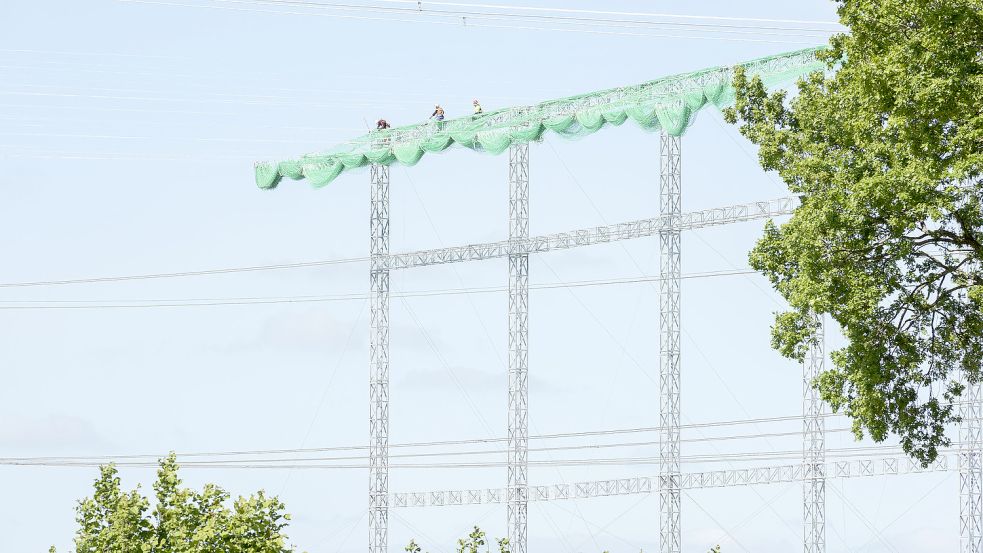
595	235
379	361
814	448
670	208
729	478
813	472
518	424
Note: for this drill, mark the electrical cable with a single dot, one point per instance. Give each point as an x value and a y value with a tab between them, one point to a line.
423	8
444	443
199	302
607	22
790	455
181	274
432	21
607	12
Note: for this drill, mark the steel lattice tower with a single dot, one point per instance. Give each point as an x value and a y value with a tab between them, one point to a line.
970	475
669	242
518	431
379	361
814	448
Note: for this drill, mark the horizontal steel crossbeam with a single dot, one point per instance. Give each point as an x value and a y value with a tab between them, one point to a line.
590	236
693	480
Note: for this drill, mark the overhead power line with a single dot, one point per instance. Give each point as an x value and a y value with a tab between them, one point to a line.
226	455
81	53
156	137
459	21
209	302
540	15
618	13
181	274
284	102
115	156
841	453
462	442
264	95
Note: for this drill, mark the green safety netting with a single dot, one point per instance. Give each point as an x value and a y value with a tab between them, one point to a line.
669	104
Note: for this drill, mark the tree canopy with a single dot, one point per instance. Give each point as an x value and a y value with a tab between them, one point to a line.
886	150
183	520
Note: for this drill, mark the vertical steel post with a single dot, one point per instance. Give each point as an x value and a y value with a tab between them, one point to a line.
669	285
379	361
814	448
970	472
518	432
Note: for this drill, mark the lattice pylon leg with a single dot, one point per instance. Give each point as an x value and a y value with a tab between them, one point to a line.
971	470
669	287
379	362
814	448
518	431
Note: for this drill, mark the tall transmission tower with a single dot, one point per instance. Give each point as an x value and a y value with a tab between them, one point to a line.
518	430
669	329
814	447
379	361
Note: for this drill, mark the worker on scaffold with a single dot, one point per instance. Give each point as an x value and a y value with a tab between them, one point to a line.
438	113
382	125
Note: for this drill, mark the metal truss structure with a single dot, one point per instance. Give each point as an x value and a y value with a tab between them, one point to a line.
970	475
379	362
640	228
813	471
670	207
517	492
814	447
884	466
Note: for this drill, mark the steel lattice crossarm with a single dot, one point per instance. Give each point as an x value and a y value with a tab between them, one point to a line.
882	466
669	104
593	235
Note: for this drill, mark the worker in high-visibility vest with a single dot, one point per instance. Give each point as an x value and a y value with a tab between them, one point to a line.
477	107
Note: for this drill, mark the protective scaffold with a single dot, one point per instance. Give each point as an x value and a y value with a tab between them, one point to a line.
669	105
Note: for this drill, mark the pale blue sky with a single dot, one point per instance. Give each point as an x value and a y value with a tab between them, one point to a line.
127	135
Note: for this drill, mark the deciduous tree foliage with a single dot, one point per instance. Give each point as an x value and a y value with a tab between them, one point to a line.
183	520
886	150
470	544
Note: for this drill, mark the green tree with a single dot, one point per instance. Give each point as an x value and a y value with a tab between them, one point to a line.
183	520
473	542
886	151
412	547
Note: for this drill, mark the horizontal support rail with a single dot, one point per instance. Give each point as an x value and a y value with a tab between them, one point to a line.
693	480
590	236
